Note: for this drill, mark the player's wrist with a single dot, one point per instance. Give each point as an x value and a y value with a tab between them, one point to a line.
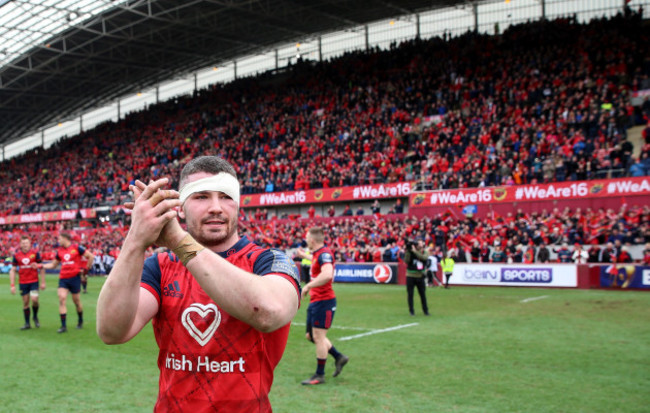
187	249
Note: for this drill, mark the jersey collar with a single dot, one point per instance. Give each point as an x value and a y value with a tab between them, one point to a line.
319	249
239	245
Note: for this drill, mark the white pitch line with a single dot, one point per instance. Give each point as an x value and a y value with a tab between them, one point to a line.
337	327
527	300
383	330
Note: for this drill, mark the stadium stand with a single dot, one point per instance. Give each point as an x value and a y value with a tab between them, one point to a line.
512	109
542	102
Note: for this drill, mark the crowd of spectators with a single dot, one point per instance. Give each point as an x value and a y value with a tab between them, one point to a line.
606	235
544	101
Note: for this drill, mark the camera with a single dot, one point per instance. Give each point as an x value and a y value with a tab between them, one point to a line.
410	245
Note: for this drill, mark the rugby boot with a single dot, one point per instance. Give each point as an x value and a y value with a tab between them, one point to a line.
340	363
315	379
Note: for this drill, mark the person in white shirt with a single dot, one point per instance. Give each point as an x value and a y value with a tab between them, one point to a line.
432	269
580	256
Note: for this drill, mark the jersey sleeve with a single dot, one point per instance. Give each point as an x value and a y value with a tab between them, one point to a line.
151	275
277	262
81	249
38	257
15	262
325	258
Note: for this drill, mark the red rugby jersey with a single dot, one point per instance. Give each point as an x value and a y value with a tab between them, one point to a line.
24	260
70	259
209	360
320	257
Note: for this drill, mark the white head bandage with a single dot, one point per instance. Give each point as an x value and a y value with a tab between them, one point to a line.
222	182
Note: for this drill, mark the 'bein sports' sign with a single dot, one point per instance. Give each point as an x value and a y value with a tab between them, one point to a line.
548	275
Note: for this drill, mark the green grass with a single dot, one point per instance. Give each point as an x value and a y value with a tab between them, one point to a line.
482	350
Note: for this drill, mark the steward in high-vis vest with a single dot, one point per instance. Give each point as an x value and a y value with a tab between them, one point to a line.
305	268
447	265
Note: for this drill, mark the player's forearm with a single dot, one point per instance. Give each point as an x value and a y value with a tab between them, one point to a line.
91	260
50	265
326	275
319	281
266	303
12	276
118	300
305	255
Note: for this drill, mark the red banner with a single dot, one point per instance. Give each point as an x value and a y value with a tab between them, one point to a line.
47	216
312	196
530	193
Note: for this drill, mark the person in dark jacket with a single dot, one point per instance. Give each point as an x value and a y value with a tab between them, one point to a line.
415	258
543	254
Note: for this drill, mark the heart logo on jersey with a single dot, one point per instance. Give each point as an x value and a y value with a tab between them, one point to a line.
201	321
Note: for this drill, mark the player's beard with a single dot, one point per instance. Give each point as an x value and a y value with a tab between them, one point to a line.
212	238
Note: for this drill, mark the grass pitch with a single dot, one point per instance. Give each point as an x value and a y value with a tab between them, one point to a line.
481	350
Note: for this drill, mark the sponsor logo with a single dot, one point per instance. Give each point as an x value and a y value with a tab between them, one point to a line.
419	198
382	273
318	195
480	275
246	200
527	275
596	188
354	273
336	194
201	321
182	362
500	193
25	261
66	257
173	290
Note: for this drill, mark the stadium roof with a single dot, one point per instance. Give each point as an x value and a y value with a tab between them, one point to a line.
60	58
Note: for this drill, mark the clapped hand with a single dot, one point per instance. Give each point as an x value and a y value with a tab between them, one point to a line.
152	210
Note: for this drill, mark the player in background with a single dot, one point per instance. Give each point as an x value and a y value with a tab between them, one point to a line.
69	255
322	305
221	307
27	262
84	268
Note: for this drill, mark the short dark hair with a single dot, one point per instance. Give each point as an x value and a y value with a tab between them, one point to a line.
66	235
210	164
27	237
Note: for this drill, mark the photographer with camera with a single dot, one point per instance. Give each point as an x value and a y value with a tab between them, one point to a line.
415	257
